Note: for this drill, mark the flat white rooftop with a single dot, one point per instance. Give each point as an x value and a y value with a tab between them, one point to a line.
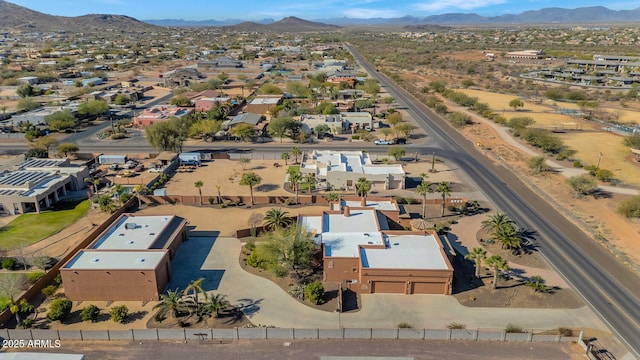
312	224
359	221
133	233
378	204
357	162
346	244
116	260
265	101
405	252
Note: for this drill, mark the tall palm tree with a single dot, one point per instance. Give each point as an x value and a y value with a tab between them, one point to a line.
195	286
198	184
251	179
509	237
310	179
497	221
296	152
173	302
332	197
444	188
275	218
214	305
478	255
140	190
423	189
285	156
117	190
295	178
363	186
497	263
218	187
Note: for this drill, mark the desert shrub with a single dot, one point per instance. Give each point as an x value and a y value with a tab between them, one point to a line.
538	164
543	139
8	263
259	258
117	136
59	309
630	208
405	325
25	324
441	109
119	313
591	169
297	291
90	313
511	328
278	271
604	175
632	141
250	245
314	292
520	123
58	279
456	326
459	119
577	164
49	291
35	276
565	331
566	154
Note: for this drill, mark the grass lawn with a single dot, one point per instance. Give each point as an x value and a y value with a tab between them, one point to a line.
31	228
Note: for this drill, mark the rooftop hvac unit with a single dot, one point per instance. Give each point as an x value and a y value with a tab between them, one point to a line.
130	226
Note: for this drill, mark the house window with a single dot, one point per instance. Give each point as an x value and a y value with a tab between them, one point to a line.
354	269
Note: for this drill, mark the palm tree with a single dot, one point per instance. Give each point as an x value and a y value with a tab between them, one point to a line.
275	218
296	152
214	305
117	190
363	186
218	187
423	189
295	178
198	184
140	190
310	179
444	188
173	302
285	156
250	179
536	283
497	221
509	237
332	197
498	264
478	255
196	287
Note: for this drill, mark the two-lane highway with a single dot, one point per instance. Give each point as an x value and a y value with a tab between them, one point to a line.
611	289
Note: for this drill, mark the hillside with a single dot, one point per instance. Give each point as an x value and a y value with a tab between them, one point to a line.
288	24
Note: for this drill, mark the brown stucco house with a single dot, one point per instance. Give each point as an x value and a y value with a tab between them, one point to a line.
129	261
360	252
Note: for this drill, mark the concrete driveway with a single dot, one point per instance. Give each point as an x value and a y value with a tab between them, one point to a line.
263	302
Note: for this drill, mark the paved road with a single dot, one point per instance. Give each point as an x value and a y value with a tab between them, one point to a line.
611	289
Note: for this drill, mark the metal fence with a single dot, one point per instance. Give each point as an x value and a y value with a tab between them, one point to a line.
277	334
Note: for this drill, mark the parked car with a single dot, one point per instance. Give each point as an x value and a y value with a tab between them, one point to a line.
114	167
139	168
155	170
401	141
382	142
130	164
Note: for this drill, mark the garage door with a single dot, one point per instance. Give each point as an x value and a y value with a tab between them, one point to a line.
427	288
387	287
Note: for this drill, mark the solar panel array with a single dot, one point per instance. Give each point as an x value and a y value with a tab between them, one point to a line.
20	178
31	163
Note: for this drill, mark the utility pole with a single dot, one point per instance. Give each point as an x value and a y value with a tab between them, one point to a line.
599	159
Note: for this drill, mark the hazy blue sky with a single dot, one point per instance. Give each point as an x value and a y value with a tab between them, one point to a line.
307	9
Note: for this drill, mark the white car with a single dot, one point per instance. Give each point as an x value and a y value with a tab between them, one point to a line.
382	142
155	170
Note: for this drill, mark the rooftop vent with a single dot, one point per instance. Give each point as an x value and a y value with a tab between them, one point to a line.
131	242
95	260
370	242
141	260
152	234
130	226
120	234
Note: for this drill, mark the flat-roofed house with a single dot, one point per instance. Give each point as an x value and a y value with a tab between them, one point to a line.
263	103
342	169
360	252
128	261
159	113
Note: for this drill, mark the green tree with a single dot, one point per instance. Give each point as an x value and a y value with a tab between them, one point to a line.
119	313
141	189
395	120
497	263
11	285
244	161
250	179
509	237
60	120
310	179
122	99
291	248
268	89
295	178
214	305
396	151
93	107
632	141
195	287
423	189
59	309
371	87
180	100
386	132
582	185
363	186
198	184
46	143
536	283
168	135
106	204
285	156
444	189
27	104
24	90
516	103
297	89
90	313
332	197
280	126
406	129
497	221
314	292
295	151
66	149
276	218
174	303
243	131
478	255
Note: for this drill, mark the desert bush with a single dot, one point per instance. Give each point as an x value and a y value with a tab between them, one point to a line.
630	208
297	291
314	292
511	328
565	331
35	276
577	164
59	309
119	313
538	164
49	291
90	313
543	139
405	325
604	175
25	324
632	141
566	154
456	326
459	119
8	263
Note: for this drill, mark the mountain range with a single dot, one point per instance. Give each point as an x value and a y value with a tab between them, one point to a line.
17	17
